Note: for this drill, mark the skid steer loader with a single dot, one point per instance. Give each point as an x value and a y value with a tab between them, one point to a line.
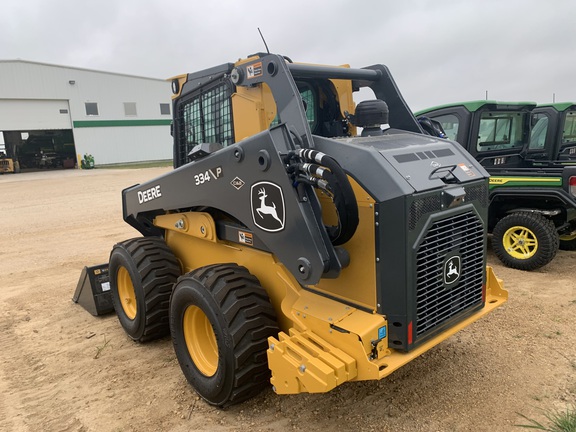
285	248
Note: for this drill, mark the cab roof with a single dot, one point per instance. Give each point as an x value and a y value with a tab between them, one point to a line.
559	106
473	106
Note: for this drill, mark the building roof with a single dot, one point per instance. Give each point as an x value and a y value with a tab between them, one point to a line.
78	68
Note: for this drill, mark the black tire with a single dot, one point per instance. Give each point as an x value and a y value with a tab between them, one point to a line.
220	320
525	241
568	245
143	272
568	241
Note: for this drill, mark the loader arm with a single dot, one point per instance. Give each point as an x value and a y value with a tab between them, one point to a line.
230	181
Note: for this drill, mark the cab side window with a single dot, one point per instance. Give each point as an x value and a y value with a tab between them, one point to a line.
538	132
309	105
569	132
500	131
450	124
309	102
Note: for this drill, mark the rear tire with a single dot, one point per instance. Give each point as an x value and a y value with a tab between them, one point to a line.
568	242
220	320
143	272
525	241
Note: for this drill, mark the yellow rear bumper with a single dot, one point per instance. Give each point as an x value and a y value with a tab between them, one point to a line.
334	344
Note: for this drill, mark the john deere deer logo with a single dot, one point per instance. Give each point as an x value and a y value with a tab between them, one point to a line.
452	268
267	203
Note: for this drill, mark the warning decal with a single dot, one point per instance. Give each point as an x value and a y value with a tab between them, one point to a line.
467	170
254	70
246	238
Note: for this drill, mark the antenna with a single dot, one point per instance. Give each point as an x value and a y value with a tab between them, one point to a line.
263	40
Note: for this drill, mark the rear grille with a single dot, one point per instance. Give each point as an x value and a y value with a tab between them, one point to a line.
478	192
422	206
435	302
433	203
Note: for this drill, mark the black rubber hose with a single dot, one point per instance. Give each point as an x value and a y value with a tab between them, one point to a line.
343	194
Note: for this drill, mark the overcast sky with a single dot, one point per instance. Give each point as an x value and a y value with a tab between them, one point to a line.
438	51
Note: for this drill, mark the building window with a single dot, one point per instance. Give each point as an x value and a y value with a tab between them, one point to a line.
130	109
164	109
91	108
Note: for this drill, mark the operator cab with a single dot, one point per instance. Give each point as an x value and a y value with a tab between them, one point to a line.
553	136
495	133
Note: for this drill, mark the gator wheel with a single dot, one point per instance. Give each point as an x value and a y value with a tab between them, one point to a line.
220	320
143	272
525	241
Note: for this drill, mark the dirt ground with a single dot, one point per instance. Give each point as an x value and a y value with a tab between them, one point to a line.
61	369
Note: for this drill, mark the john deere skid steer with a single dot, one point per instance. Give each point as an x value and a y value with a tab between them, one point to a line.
286	248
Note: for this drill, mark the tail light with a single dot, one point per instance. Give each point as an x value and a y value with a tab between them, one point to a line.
572	185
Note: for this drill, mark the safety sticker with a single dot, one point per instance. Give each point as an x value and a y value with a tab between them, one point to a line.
467	170
105	286
246	238
382	332
254	70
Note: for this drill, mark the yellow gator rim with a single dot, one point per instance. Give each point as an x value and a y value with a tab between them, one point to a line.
200	340
520	242
126	293
568	237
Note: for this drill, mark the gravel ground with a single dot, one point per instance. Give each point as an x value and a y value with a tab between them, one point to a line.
521	359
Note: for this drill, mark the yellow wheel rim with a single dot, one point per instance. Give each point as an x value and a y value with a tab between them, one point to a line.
520	242
200	340
126	293
568	237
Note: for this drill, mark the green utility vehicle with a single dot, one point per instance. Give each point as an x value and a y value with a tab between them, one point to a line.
553	137
553	143
532	199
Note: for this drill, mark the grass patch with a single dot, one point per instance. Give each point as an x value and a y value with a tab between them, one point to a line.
100	348
557	421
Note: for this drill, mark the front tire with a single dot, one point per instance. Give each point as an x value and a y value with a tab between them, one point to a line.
525	241
143	272
220	320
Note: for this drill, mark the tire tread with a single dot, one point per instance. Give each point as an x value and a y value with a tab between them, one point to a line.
246	308
158	269
543	228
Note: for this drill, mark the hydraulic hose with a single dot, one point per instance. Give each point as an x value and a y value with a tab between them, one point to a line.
326	173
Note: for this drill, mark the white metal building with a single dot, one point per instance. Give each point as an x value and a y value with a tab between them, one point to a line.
62	112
